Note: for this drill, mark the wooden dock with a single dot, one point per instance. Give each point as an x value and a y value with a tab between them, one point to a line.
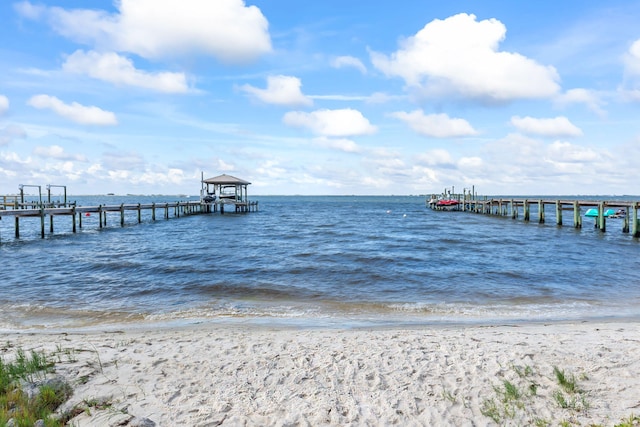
216	194
50	210
515	207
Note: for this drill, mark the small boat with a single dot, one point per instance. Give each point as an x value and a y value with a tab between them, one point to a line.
593	212
447	202
447	205
620	213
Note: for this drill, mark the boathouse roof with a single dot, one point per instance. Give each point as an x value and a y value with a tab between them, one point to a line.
225	179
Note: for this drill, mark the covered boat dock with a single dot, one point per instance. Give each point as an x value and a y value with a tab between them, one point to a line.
226	190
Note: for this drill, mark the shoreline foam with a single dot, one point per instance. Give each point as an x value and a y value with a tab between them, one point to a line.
209	373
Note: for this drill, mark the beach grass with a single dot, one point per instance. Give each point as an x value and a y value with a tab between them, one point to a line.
511	399
24	408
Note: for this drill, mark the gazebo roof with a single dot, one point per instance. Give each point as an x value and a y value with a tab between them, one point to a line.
225	179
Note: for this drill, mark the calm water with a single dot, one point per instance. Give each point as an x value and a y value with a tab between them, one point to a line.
316	261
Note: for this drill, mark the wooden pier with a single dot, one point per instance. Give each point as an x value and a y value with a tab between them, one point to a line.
51	210
515	207
227	191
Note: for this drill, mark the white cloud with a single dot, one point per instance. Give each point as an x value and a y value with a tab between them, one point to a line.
28	10
565	152
4	104
632	59
581	96
630	88
170	176
558	126
460	55
75	112
466	163
341	144
225	29
435	125
11	132
343	122
281	90
349	61
113	68
57	152
436	157
123	161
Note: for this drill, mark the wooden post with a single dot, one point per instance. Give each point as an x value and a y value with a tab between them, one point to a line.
166	211
625	221
42	222
602	225
100	216
139	214
577	219
51	224
558	212
634	223
73	216
80	220
153	211
540	212
122	215
17	227
527	213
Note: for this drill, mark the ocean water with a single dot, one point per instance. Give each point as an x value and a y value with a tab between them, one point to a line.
315	261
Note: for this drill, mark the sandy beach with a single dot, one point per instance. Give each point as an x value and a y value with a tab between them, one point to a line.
227	374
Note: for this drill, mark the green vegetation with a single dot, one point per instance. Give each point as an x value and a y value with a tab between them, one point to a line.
25	408
632	421
515	399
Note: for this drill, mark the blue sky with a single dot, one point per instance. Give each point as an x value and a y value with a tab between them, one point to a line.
331	97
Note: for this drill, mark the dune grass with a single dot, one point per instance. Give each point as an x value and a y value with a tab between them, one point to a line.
515	399
27	408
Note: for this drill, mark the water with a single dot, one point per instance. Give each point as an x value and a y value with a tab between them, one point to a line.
315	261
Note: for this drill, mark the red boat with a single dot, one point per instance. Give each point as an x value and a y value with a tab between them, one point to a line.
447	202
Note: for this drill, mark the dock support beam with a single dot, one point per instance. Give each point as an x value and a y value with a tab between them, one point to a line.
540	212
634	224
577	219
601	223
558	212
527	212
625	221
42	222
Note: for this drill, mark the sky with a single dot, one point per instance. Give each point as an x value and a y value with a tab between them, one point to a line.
321	98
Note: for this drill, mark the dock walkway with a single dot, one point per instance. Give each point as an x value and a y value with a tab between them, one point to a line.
51	210
514	207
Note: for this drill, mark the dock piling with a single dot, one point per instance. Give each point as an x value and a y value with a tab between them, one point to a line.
601	223
577	218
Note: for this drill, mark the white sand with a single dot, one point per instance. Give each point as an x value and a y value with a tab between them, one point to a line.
211	374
